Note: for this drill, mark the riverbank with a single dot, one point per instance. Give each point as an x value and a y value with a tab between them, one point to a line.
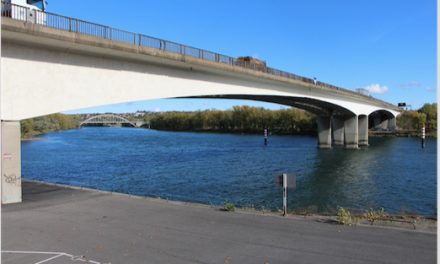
401	133
32	139
402	221
113	228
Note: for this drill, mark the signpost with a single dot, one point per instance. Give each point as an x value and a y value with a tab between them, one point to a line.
287	181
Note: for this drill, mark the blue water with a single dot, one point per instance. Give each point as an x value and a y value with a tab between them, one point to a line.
394	173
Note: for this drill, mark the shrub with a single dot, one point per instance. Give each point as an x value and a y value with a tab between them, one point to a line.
229	207
373	215
344	216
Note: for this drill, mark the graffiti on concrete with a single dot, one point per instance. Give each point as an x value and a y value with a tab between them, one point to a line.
12	179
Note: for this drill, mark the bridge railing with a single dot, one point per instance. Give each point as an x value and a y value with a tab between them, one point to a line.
96	30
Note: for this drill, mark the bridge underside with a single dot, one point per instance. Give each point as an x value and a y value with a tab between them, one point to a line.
47	71
336	125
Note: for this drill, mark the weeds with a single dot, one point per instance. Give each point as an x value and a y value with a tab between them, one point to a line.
229	207
373	215
344	216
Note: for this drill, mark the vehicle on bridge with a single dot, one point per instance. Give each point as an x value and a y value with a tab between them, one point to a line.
251	62
25	10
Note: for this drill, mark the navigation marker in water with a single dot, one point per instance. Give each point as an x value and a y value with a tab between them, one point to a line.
265	136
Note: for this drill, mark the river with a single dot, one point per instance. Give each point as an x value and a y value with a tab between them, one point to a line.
211	168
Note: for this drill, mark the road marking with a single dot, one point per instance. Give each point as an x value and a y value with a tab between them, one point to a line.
57	255
32	252
46	260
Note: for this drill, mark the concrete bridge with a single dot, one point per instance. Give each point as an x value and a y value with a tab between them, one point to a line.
52	63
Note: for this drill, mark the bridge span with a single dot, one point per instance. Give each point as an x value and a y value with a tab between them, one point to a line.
112	119
52	63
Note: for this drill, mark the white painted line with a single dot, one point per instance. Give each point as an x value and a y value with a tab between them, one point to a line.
57	254
46	260
32	252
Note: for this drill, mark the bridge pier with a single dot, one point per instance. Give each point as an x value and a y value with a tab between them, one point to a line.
363	130
338	131
384	122
351	132
377	122
324	131
10	162
392	124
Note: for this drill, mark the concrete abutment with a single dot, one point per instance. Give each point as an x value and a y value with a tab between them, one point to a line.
10	162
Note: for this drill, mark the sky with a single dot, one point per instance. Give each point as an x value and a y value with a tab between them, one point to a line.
387	47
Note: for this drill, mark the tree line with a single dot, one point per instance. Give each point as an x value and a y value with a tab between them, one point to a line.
414	120
54	122
240	119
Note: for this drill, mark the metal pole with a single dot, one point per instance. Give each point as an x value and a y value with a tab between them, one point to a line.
284	194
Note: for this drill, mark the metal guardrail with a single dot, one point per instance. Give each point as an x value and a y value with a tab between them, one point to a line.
60	22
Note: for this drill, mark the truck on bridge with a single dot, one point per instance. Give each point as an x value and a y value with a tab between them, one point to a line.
26	10
251	62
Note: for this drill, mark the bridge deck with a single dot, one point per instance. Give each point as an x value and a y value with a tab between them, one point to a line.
82	32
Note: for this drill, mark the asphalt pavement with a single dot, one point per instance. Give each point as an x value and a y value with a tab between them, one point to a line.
62	225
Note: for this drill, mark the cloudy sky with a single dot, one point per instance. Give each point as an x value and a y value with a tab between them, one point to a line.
386	47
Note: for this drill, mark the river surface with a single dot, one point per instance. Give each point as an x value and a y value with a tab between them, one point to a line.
209	168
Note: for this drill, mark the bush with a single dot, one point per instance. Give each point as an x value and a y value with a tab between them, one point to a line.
344	216
373	215
229	207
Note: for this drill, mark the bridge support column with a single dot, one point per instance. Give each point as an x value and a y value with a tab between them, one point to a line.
379	123
351	132
324	132
338	131
363	130
10	162
392	124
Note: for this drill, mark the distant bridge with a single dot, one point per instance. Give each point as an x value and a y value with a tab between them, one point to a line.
111	119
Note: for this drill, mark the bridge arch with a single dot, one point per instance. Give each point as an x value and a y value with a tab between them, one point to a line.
382	120
313	105
107	119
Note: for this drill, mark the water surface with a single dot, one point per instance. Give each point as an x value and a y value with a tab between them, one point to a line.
394	173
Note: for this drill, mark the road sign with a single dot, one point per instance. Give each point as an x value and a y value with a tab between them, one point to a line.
288	181
291	180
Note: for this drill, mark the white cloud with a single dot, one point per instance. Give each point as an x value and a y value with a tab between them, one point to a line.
411	84
376	88
429	89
